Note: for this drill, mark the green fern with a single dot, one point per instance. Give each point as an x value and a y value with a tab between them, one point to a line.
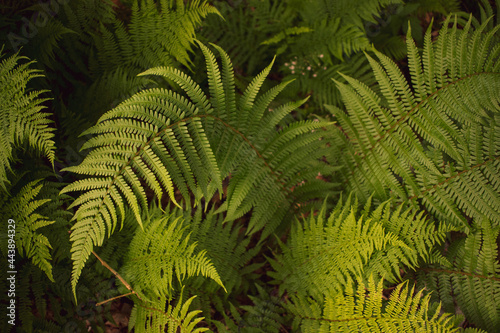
268	168
233	35
166	139
472	282
99	56
434	144
357	310
148	319
23	209
163	145
323	255
336	27
484	10
233	257
162	255
226	248
20	114
296	28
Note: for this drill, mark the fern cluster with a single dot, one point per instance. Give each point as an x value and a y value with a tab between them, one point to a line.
434	145
280	166
23	122
194	143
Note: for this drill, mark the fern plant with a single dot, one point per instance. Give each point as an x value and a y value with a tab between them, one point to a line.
159	258
430	142
325	254
183	181
161	255
471	282
93	57
313	40
21	116
193	143
22	208
176	318
24	126
328	257
358	310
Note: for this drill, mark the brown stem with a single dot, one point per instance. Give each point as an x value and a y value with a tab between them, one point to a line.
122	280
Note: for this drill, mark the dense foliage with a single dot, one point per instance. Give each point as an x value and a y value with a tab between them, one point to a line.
250	166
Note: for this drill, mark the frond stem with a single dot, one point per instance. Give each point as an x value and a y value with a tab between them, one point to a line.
122	280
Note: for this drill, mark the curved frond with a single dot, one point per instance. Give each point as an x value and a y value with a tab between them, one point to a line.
162	256
156	136
20	114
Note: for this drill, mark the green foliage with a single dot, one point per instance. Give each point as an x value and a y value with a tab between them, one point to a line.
472	281
22	208
363	310
176	318
433	145
161	252
88	51
158	260
21	116
181	199
194	143
314	39
374	244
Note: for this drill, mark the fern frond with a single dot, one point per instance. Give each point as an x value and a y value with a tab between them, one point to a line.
432	140
325	253
161	255
23	209
266	314
147	318
20	114
363	309
472	281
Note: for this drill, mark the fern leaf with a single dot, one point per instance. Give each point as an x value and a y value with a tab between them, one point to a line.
161	255
363	310
140	139
176	318
20	114
415	141
327	252
472	281
23	209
